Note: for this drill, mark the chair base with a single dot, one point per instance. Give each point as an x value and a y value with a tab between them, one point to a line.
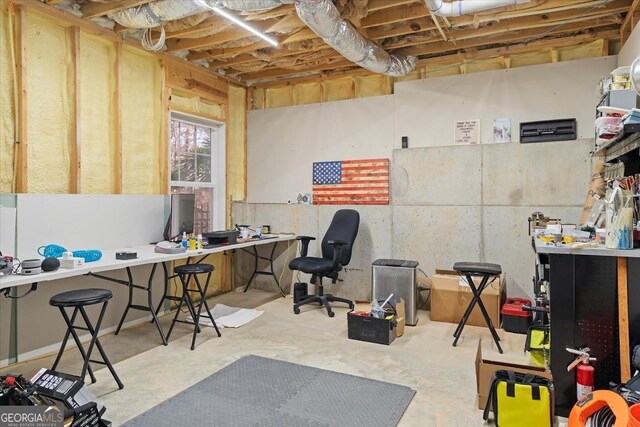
323	300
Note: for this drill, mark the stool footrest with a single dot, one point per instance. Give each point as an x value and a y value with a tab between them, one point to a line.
139	307
81	328
101	362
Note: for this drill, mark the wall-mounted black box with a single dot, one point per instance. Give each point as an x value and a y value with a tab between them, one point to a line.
549	130
371	329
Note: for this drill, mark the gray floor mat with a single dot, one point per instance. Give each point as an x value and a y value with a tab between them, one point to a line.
258	391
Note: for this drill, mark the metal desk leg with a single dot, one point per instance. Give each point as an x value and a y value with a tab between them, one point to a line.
257	257
148	307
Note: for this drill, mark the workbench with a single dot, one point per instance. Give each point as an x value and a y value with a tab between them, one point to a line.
595	301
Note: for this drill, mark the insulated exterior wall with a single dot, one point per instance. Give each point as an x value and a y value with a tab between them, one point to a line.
141	106
49	78
7	109
97	83
236	144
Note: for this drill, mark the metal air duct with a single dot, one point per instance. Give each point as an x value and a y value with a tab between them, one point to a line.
324	19
458	8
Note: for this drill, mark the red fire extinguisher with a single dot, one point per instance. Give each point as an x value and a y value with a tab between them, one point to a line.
584	371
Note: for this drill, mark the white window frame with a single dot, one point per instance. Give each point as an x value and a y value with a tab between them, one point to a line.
218	165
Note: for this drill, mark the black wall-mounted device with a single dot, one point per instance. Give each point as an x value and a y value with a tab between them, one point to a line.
405	142
548	130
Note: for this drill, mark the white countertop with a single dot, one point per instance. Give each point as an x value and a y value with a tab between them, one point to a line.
551	248
146	255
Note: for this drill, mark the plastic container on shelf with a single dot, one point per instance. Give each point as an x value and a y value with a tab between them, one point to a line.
608	126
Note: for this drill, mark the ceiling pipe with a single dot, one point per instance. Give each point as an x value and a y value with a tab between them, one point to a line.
322	17
458	8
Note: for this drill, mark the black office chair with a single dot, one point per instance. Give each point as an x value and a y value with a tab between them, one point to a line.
336	253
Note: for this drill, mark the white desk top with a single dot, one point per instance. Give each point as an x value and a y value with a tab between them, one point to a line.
146	255
601	250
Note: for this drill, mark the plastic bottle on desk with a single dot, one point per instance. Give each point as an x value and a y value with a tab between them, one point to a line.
199	244
184	242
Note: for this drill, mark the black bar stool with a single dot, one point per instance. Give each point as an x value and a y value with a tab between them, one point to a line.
485	271
79	299
185	273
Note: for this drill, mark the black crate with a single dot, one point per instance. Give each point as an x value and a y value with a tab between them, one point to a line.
516	324
371	329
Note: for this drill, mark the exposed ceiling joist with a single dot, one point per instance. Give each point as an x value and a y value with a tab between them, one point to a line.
95	9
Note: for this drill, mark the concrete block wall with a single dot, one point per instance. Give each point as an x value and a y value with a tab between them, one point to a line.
448	204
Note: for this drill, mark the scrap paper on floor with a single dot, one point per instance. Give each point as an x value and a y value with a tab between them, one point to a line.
230	317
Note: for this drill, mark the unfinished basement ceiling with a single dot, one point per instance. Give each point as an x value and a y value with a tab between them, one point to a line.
404	28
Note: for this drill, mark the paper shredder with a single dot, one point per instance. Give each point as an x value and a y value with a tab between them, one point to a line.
400	278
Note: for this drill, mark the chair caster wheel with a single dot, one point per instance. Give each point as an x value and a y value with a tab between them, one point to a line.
331	314
296	310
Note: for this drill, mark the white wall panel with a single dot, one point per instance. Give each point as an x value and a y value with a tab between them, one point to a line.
282	143
426	110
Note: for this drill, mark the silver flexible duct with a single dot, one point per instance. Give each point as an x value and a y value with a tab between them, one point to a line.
458	8
324	19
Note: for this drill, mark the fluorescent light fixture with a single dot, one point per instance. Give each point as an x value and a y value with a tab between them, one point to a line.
244	25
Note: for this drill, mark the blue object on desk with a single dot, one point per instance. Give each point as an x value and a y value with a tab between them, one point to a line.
56	251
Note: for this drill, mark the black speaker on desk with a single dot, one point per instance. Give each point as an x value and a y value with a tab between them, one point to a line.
50	264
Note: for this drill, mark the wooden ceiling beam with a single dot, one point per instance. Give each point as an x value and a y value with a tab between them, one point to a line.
276	72
206	25
227	52
285	9
390	16
376	5
95	9
231	34
552	6
287	23
630	21
480	54
417	25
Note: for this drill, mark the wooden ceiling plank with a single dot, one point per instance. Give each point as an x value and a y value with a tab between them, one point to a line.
417	25
285	9
287	23
227	52
376	5
553	6
205	25
438	47
628	19
234	33
399	14
95	9
282	71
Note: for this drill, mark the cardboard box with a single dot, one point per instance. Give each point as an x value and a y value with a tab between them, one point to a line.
491	361
450	297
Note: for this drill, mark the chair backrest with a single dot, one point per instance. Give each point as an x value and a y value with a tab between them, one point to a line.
344	226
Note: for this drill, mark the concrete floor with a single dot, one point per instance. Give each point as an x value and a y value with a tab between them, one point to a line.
423	359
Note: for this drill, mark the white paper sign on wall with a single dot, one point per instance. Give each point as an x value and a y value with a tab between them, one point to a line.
467	132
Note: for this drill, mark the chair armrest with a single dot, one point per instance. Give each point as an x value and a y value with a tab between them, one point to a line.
304	240
337	250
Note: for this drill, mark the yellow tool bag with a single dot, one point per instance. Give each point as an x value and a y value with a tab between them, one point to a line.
520	400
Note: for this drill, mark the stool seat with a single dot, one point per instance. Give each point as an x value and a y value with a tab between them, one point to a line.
80	297
477	268
193	269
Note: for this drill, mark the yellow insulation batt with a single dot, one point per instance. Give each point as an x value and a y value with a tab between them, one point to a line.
196	105
236	144
97	135
141	145
7	113
49	80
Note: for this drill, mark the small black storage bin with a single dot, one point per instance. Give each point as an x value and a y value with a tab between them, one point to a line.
371	329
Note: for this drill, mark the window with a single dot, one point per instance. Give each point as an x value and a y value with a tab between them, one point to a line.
197	166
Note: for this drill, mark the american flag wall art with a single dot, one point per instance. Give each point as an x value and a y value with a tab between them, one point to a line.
351	182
